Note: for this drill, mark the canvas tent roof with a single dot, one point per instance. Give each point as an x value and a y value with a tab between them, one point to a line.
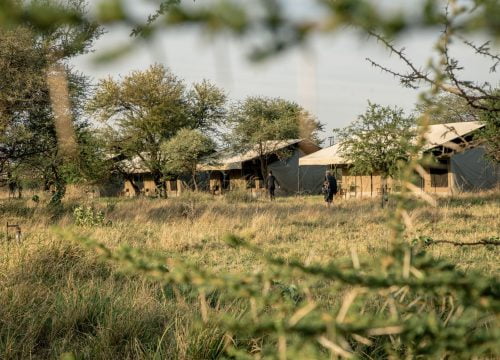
134	165
440	134
223	160
326	156
226	160
437	135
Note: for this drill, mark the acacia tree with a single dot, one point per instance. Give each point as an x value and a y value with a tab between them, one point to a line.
259	123
447	108
30	135
207	106
147	108
378	142
142	110
183	152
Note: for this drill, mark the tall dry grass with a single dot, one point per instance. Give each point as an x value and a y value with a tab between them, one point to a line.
59	296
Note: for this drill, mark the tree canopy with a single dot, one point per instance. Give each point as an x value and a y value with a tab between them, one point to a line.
257	122
491	132
447	108
147	108
378	141
207	106
183	152
28	134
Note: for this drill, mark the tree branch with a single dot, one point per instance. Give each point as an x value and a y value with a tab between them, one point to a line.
474	94
483	50
480	242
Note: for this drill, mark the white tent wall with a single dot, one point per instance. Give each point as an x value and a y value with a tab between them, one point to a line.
472	171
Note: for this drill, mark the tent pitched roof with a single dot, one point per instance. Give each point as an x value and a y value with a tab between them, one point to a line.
223	160
437	135
133	165
440	134
227	160
326	156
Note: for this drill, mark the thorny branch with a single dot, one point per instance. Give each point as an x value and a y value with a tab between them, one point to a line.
484	50
409	79
475	95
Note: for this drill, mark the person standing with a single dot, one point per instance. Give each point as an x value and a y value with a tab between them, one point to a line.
271	183
329	188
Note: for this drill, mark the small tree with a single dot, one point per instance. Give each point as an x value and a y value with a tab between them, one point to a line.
38	86
183	152
143	110
147	108
378	142
258	122
447	108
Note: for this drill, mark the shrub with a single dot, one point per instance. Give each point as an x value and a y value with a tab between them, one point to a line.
88	216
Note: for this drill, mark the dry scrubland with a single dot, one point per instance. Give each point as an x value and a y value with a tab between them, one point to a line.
59	296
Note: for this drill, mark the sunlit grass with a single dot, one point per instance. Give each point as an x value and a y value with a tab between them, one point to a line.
59	296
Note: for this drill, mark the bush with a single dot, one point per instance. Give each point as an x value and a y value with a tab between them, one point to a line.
88	216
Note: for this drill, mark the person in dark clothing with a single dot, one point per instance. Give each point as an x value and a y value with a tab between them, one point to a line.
271	183
329	188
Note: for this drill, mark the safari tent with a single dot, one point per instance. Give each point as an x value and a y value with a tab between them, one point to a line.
458	166
228	170
136	179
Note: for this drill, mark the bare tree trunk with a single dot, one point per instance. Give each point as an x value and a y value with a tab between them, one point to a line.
263	169
59	188
383	190
195	184
57	83
46	184
160	185
61	106
11	184
263	163
371	185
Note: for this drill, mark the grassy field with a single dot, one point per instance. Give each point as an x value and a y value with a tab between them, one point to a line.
59	296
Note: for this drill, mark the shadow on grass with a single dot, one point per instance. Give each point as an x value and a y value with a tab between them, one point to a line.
15	208
59	298
471	199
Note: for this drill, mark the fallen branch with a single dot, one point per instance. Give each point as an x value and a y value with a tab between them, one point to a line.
480	242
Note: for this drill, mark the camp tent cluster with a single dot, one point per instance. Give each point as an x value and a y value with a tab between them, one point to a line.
229	171
458	166
299	166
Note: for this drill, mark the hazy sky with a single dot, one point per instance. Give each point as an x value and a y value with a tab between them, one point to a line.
330	77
